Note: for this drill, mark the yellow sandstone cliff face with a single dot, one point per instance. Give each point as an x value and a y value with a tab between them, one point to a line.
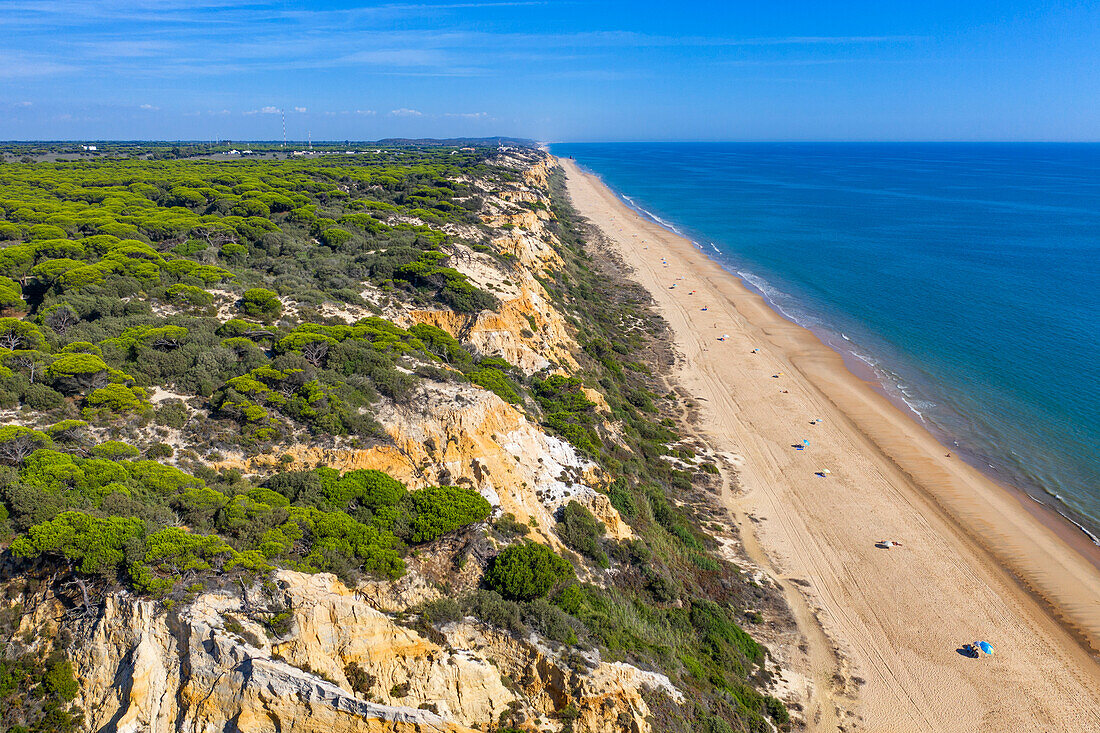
525	329
143	669
335	627
208	666
463	434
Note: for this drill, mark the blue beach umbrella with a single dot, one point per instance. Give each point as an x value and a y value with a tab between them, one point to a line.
986	647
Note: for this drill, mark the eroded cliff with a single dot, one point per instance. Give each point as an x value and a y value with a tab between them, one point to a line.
477	357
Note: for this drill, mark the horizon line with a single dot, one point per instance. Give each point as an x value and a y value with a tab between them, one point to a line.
349	141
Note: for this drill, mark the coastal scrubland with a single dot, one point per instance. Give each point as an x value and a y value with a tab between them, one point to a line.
219	377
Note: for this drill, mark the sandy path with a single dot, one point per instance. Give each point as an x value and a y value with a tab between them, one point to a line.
891	618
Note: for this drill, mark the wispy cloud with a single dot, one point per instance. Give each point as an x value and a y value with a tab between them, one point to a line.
176	38
300	110
22	65
467	115
404	112
149	107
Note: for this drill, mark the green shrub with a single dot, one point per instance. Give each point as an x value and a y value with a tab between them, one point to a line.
440	611
261	303
170	553
492	608
59	680
581	531
359	679
443	345
188	295
342	545
622	499
11	295
42	397
116	399
436	510
17	334
334	237
172	414
17	442
159	450
496	382
114	450
94	545
361	488
509	527
76	372
528	571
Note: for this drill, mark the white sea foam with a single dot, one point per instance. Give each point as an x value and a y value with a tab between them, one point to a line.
773	295
646	212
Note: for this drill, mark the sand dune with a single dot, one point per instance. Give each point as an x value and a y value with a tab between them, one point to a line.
882	627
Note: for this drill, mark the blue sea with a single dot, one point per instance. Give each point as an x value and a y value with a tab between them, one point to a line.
966	276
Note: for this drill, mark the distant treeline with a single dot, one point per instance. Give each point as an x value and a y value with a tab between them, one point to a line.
161	150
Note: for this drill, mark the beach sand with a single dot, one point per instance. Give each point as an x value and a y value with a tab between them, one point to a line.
881	628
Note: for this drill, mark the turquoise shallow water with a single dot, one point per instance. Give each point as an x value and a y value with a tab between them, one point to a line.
967	276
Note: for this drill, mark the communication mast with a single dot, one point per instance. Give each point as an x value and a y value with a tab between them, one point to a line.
283	115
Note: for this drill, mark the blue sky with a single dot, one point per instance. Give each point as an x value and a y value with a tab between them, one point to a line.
558	71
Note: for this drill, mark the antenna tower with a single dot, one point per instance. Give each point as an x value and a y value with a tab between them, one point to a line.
283	115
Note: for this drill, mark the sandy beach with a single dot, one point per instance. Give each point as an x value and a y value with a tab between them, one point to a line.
882	627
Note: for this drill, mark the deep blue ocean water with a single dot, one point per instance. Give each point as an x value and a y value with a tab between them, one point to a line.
967	276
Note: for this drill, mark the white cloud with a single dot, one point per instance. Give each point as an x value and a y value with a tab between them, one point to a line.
467	115
21	65
299	109
269	110
149	106
403	112
365	112
24	104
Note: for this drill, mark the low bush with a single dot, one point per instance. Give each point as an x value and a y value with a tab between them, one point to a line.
437	510
581	531
528	571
